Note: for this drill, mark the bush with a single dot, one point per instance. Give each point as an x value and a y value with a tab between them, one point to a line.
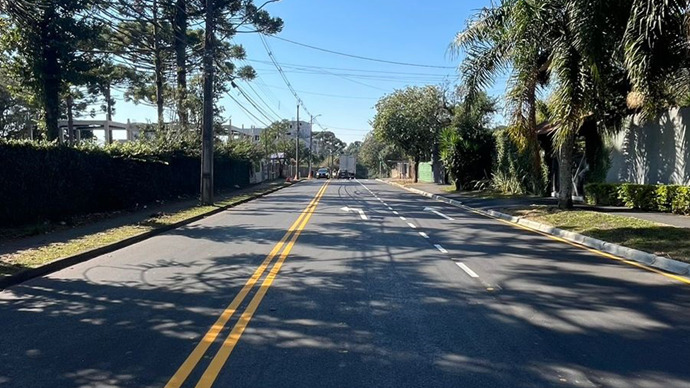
514	169
680	203
42	181
603	194
641	197
664	197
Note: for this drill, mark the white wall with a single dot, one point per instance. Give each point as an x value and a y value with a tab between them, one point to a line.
654	152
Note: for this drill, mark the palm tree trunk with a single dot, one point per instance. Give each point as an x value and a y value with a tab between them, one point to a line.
565	171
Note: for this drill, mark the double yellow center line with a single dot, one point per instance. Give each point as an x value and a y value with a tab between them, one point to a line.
212	371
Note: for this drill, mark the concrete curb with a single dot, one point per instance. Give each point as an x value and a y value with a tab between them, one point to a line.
660	262
69	261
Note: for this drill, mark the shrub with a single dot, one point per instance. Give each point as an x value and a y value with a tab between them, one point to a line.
514	169
664	197
680	203
603	194
641	197
42	181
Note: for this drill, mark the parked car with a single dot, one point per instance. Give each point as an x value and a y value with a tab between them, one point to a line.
322	173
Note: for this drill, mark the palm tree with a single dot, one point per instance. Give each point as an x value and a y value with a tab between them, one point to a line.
593	56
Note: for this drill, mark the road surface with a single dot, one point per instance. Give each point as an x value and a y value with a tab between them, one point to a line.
347	284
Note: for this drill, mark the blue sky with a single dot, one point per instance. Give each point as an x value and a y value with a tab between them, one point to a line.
343	90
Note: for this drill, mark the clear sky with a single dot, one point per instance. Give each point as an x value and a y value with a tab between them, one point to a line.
343	90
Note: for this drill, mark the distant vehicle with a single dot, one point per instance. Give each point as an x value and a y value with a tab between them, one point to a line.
322	173
348	167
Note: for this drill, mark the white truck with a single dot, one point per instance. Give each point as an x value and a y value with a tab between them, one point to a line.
348	166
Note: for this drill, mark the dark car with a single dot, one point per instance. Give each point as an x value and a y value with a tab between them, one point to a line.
322	173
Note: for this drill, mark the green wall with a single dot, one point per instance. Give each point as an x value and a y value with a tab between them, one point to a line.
425	173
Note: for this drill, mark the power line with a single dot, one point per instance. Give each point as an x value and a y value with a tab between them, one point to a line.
303	67
361	57
285	79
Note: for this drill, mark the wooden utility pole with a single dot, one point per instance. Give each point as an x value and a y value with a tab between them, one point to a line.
207	122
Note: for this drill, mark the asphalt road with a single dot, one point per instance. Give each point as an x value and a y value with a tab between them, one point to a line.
301	289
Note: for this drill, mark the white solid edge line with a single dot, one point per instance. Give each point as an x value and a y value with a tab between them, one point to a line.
423	234
443	215
440	248
413	226
467	270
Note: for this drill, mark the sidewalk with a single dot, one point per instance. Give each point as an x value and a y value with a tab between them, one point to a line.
123	218
471	199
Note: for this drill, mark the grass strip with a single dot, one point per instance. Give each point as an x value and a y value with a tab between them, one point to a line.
659	239
35	257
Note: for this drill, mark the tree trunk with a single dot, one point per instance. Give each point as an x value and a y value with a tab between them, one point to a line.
70	120
108	104
436	162
416	168
533	140
158	64
565	171
51	77
180	30
458	185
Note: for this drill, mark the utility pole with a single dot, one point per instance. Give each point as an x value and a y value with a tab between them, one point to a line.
297	146
207	128
311	149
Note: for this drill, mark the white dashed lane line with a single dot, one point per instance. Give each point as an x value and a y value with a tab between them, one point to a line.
403	218
423	234
413	226
440	248
467	270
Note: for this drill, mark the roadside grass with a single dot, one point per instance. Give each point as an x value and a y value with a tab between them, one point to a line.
659	239
35	257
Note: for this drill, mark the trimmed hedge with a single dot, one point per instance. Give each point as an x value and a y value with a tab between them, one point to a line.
602	194
50	182
659	198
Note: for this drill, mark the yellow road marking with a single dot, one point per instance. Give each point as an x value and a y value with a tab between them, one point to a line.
592	250
193	359
230	342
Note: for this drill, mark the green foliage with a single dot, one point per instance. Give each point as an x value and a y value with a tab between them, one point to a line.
664	197
466	147
680	203
410	119
603	194
591	56
638	196
661	198
376	155
514	171
88	178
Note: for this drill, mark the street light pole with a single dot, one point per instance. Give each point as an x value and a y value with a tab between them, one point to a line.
311	149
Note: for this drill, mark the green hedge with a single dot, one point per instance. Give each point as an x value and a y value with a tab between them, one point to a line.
602	194
659	198
49	182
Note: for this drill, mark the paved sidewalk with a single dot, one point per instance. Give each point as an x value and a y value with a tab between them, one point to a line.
676	220
125	217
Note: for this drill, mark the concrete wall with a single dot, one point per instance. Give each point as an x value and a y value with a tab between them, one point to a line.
654	152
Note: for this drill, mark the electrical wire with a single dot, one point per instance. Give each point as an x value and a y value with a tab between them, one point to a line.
361	57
